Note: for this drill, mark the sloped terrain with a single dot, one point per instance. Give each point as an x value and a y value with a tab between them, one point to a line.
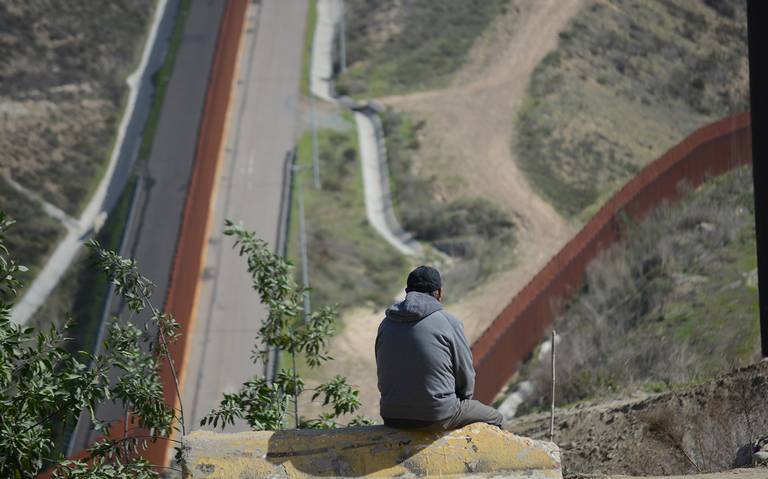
697	429
627	81
675	302
396	46
61	92
465	148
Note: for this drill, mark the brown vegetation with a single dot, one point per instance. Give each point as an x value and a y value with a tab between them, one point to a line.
62	81
673	303
628	80
699	429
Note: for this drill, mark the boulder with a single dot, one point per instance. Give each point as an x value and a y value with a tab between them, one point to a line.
477	450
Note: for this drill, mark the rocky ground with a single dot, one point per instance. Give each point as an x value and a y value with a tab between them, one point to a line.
707	428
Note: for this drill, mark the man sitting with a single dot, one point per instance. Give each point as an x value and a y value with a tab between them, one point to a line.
424	363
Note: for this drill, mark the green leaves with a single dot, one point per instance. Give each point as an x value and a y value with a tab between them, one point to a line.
340	395
123	274
260	403
8	269
42	384
264	404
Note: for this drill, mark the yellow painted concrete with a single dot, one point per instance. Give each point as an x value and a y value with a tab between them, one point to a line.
476	450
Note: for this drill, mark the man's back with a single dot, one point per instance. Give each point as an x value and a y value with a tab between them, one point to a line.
423	361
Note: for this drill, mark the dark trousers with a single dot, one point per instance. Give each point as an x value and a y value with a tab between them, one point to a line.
469	411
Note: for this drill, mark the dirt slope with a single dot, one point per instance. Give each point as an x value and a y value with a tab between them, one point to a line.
682	432
468	138
758	473
469	132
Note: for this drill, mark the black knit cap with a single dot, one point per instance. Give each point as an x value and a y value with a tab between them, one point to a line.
424	279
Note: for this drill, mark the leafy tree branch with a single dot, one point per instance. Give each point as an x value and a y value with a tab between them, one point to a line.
263	404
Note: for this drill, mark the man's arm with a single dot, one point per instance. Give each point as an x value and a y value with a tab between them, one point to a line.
464	372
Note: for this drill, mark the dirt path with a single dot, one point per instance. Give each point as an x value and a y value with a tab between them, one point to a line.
469	133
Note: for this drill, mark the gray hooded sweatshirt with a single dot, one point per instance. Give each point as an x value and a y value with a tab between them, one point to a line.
423	361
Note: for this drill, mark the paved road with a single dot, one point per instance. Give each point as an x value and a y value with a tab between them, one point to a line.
264	124
153	232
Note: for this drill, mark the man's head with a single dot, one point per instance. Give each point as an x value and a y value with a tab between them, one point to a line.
425	279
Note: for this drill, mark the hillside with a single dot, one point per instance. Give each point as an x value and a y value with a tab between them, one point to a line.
61	95
594	89
627	81
674	303
703	428
395	46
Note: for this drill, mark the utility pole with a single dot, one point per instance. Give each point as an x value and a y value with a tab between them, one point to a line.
303	243
552	405
315	159
342	39
758	76
313	124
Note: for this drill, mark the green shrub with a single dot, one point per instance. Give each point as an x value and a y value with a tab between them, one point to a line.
670	304
473	230
627	81
402	46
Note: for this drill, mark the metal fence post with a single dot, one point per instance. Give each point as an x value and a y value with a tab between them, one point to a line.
758	75
303	245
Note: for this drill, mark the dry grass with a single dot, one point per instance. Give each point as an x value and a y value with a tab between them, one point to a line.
63	71
671	304
627	81
396	46
61	93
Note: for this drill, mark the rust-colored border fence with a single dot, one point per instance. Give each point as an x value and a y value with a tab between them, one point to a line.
710	151
188	260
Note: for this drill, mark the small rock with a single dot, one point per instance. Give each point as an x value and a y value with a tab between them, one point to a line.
751	278
759	458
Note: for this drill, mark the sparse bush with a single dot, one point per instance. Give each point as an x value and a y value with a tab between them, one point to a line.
263	403
473	230
401	46
44	386
627	81
668	305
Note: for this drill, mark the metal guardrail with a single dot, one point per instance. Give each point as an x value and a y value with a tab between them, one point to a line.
281	244
78	436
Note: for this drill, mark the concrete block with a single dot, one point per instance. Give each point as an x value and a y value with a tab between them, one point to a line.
478	450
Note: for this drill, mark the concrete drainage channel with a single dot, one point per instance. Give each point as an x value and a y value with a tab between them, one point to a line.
378	200
110	187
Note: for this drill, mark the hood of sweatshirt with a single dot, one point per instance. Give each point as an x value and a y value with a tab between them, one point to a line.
415	307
